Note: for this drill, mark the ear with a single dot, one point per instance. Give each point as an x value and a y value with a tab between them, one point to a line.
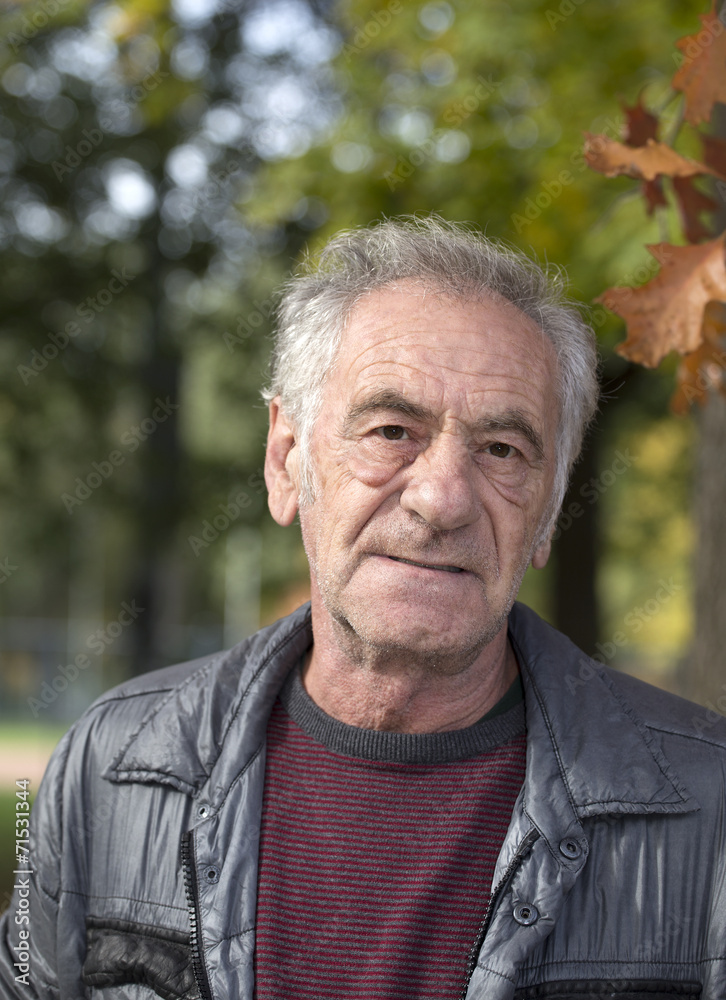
542	554
281	467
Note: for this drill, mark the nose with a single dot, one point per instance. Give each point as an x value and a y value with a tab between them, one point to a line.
441	485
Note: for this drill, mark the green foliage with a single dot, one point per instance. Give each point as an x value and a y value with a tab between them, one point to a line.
480	120
128	420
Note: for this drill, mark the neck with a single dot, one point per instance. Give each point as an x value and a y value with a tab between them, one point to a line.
396	691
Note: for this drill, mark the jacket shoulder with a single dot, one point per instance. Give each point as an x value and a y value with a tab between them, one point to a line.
155	683
668	713
179	701
210	669
562	670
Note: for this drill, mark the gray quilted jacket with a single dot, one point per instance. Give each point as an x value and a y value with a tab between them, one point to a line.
611	881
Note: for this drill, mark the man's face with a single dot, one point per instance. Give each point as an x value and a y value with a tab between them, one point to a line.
433	457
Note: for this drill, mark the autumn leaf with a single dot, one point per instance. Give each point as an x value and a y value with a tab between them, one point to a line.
714	152
646	162
640	124
701	76
691	203
684	307
666	314
705	368
653	194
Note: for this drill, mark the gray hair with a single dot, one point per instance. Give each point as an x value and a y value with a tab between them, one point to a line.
461	263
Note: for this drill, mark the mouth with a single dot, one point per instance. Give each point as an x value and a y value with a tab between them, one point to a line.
436	566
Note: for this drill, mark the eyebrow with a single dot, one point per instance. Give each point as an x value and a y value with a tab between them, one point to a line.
511	419
388	399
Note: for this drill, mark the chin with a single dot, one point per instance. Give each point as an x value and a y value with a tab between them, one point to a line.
444	647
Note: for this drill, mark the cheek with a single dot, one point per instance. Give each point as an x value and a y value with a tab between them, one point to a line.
309	533
515	481
521	497
510	479
343	507
514	515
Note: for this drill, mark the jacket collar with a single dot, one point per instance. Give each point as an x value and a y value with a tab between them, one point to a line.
584	741
215	721
587	749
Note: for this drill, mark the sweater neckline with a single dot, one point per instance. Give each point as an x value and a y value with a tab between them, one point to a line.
501	724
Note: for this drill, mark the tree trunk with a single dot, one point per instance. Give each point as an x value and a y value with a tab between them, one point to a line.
704	679
575	602
158	584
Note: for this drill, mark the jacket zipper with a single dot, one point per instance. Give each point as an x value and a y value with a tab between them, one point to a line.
521	853
190	886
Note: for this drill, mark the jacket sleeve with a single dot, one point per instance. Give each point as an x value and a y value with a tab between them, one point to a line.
29	929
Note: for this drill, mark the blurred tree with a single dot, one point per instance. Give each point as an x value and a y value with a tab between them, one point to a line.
128	133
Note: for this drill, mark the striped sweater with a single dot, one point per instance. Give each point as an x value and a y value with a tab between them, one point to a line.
377	851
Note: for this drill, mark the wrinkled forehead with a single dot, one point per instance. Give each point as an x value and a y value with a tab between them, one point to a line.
444	327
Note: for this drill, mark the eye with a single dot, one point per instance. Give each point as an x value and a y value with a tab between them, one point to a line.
501	450
392	432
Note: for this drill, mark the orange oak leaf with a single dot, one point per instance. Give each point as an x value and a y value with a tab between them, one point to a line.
701	75
705	368
666	314
653	194
691	202
646	162
640	124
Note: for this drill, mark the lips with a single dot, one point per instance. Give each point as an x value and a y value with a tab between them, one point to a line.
412	562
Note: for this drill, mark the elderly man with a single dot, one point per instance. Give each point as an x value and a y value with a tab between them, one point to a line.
412	787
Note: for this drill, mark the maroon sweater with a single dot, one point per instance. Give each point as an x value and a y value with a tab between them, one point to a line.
377	852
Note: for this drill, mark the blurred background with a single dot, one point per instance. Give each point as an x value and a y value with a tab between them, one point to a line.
162	167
